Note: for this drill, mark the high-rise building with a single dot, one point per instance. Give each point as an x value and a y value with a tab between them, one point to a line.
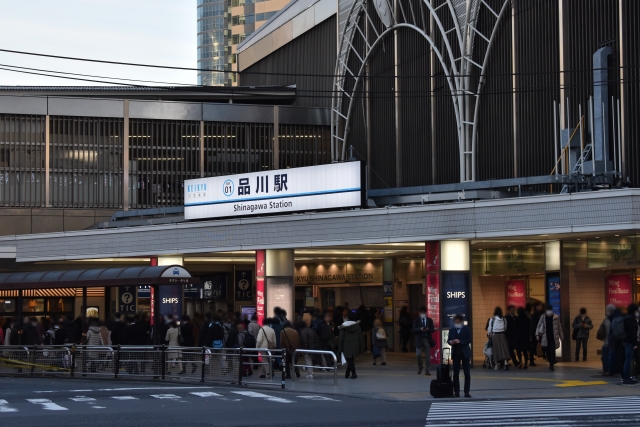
222	25
213	43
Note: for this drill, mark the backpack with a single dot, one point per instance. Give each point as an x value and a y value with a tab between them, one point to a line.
249	340
50	337
617	325
232	338
381	334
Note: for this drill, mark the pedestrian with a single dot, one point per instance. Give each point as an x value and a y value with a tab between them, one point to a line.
351	344
93	338
523	343
174	356
511	333
254	327
603	335
422	330
243	342
379	342
206	331
118	330
404	325
290	340
497	328
549	333
582	324
615	345
327	337
187	331
29	331
538	311
629	342
460	340
266	339
309	341
106	334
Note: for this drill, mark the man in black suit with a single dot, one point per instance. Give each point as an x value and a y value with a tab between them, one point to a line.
135	335
422	330
460	340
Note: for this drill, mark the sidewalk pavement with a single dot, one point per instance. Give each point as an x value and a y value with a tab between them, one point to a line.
398	381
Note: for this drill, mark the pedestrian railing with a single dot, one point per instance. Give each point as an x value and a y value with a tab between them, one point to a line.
312	353
203	364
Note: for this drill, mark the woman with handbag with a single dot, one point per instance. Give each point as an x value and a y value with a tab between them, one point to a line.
380	343
497	328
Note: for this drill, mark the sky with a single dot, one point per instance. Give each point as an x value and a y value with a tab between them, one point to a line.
161	32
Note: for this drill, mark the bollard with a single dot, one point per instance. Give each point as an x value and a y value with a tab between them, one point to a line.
116	357
204	358
284	366
239	366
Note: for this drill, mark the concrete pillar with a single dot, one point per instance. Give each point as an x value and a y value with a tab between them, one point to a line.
279	288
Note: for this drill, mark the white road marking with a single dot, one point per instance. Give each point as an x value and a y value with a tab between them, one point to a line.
510	412
47	404
99	407
165	396
4	406
82	399
124	389
320	398
263	396
124	398
205	394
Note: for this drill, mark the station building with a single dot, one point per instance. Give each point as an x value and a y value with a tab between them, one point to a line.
466	205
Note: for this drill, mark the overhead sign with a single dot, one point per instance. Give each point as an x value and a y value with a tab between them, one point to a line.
244	285
336	185
215	287
126	299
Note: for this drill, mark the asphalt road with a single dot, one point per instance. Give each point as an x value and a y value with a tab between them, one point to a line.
97	403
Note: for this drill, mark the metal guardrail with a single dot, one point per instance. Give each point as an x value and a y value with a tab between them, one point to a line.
322	353
203	364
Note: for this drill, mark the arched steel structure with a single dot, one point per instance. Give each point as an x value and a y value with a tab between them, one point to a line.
453	23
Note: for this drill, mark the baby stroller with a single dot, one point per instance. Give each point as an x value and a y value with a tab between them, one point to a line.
488	356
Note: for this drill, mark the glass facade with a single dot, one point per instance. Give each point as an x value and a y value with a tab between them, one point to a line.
213	43
86	158
85	162
22	160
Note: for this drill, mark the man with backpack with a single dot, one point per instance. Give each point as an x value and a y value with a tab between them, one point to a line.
629	340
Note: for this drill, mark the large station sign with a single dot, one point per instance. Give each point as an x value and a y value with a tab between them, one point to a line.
337	185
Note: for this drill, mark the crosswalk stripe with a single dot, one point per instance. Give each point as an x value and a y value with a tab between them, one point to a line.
82	399
205	394
47	404
4	406
516	409
165	396
263	396
124	398
319	398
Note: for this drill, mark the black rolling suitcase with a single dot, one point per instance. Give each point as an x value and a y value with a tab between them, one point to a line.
442	386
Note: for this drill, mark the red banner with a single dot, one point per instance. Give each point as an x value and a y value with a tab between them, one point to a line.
433	298
432	256
619	290
260	273
516	293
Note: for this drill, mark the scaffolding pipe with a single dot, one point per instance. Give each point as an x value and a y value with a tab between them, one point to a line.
604	133
619	140
555	133
581	139
613	134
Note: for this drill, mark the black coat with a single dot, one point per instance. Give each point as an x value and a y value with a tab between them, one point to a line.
72	333
135	335
523	334
206	334
29	334
118	330
186	329
511	333
535	319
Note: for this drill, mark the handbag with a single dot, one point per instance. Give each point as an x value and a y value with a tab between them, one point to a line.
376	352
602	332
342	359
574	335
180	337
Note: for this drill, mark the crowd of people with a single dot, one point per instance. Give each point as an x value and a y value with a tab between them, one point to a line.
515	337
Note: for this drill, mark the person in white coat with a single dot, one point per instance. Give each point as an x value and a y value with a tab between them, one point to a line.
266	339
174	357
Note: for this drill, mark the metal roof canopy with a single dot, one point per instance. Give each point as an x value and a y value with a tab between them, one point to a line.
97	277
